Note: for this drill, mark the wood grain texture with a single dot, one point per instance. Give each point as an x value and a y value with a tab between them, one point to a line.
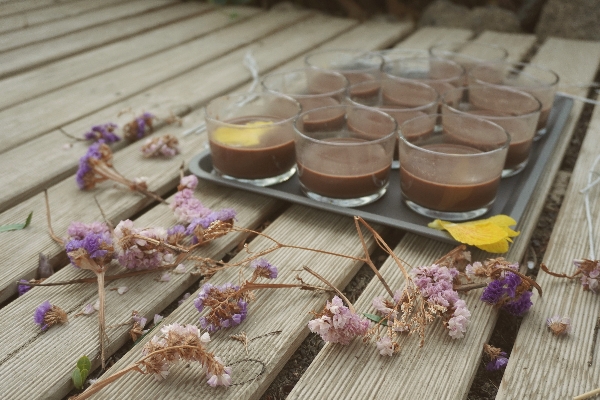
55	12
47	78
36	54
44	113
426	37
541	365
15	7
120	204
286	310
449	365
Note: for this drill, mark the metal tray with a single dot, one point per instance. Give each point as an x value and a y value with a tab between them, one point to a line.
512	199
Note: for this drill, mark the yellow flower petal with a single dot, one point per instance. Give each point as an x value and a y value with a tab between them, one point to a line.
492	234
247	135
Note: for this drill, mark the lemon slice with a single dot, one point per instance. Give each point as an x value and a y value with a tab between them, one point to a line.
246	135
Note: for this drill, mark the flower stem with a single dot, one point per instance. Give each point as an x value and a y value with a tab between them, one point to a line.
99	385
325	281
101	316
50	230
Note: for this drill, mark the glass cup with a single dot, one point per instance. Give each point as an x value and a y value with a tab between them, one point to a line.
469	54
355	65
535	80
311	87
251	137
438	73
403	99
516	111
453	171
345	162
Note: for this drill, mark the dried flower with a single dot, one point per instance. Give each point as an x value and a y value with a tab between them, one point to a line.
139	127
211	226
122	289
158	318
87	175
228	307
47	315
104	132
186	207
183	342
188	182
180	269
509	292
139	322
97	305
165	146
262	268
22	289
386	346
498	358
337	323
590	272
88	309
89	242
436	286
141	248
165	277
184	298
559	325
492	234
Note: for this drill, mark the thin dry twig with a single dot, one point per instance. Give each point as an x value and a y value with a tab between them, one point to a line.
50	230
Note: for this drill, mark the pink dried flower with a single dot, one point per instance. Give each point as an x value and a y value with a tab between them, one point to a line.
559	325
386	346
186	207
165	146
590	272
141	248
338	324
188	182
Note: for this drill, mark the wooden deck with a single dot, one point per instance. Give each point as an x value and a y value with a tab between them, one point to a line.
67	65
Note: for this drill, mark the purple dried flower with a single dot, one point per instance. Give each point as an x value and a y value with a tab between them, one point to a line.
505	292
135	252
263	268
46	315
186	207
105	132
338	324
90	241
22	289
139	127
227	306
498	363
97	153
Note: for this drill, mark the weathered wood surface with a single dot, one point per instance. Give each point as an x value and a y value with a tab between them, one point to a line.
541	365
36	54
15	7
449	365
210	79
68	11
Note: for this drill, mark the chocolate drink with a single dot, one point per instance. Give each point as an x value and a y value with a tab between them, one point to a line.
447	197
364	90
343	173
519	148
326	120
272	155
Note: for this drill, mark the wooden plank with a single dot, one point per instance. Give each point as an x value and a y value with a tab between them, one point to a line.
54	165
21	59
215	78
47	78
426	37
44	113
20	38
58	11
450	365
22	6
557	368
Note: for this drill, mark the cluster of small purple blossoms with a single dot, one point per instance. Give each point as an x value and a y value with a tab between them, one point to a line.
498	358
139	127
46	315
509	292
165	146
141	248
176	234
338	324
98	153
436	285
227	305
105	132
197	227
263	268
186	343
184	205
559	325
590	272
89	241
22	289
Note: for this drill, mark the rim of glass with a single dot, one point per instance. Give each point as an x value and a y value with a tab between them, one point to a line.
440	47
332	51
505	88
518	67
437	117
397	79
417	53
454	78
244	96
345	107
305	69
